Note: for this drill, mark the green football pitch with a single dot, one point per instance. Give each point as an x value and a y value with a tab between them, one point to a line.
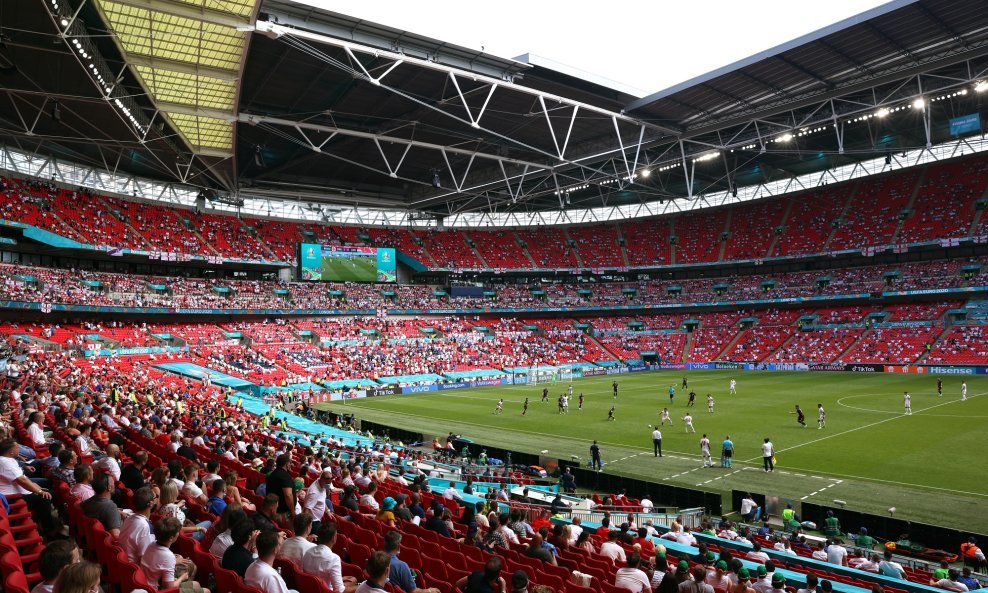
350	269
929	465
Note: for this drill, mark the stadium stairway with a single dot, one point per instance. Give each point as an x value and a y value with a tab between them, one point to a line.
730	345
946	329
865	334
727	229
687	347
480	256
517	238
623	246
782	223
843	214
910	204
785	344
603	347
576	248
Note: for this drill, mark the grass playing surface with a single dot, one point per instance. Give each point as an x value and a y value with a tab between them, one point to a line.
350	269
929	465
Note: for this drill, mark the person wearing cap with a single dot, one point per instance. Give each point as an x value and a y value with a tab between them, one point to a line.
831	525
631	577
386	514
435	521
661	566
778	582
864	542
742	584
763	584
519	582
718	578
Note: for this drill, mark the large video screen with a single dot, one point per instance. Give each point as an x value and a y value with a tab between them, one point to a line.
337	263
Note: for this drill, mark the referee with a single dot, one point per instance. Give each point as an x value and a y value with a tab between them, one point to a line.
657	442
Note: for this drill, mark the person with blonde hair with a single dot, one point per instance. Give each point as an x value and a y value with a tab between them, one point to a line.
80	577
171	506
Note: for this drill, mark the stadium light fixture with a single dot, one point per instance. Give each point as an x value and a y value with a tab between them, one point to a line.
882	112
981	86
646	173
919	103
787	137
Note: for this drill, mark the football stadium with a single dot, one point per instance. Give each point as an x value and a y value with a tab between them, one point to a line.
294	300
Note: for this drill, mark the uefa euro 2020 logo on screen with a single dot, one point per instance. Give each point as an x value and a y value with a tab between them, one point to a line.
385	256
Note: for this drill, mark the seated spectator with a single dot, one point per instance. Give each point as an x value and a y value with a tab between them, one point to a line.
100	507
132	474
612	549
190	488
378	573
400	574
480	581
261	573
216	503
386	514
264	518
869	564
55	557
696	585
83	475
240	555
967	580
950	583
222	530
81	576
321	562
631	577
135	534
811	584
536	550
295	547
162	567
435	522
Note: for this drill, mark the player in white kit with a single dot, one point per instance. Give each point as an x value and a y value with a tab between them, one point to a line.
907	400
705	451
710	404
734	387
689	422
964	391
821	416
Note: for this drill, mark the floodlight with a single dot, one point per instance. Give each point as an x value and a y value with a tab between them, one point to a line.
981	86
785	137
646	172
919	103
882	112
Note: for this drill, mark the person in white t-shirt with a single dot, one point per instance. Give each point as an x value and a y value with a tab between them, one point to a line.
135	534
321	562
163	568
295	548
631	577
612	549
756	554
317	496
261	573
688	419
836	554
950	583
768	455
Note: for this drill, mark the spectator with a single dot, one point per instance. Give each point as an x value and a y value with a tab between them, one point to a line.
295	547
261	574
99	506
612	549
481	581
378	571
400	574
318	498
696	585
132	475
216	503
536	550
325	565
83	475
836	553
222	530
240	555
631	577
135	534
163	568
282	484
950	583
264	518
55	557
81	577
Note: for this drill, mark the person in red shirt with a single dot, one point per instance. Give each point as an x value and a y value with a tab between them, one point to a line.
542	521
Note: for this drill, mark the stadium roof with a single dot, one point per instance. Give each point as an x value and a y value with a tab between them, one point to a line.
289	102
